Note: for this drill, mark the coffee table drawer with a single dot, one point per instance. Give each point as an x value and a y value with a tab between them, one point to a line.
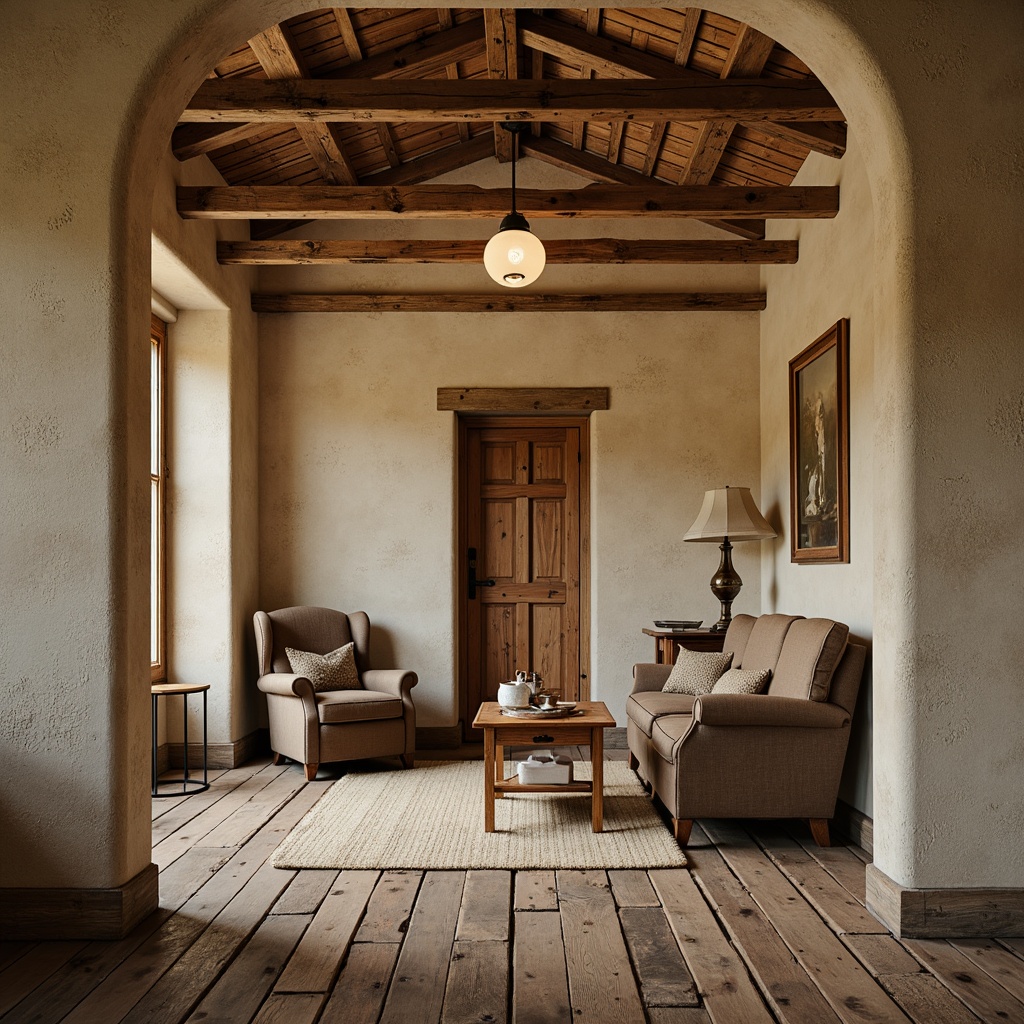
541	733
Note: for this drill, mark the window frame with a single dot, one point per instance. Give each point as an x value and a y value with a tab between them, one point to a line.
158	341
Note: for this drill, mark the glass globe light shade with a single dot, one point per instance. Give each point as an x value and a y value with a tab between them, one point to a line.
514	257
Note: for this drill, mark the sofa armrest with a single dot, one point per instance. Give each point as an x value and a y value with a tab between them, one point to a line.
765	710
286	684
396	681
647	676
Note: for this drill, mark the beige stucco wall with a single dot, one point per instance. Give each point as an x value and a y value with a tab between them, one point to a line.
357	499
834	278
932	92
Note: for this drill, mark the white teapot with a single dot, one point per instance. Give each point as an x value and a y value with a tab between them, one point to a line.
515	693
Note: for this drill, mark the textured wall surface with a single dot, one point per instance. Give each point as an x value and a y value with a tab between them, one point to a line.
834	278
948	375
357	500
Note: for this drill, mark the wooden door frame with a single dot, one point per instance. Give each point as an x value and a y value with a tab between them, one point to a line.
464	422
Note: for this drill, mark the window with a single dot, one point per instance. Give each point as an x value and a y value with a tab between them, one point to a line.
158	475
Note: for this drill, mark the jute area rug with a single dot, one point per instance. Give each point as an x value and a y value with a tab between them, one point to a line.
432	818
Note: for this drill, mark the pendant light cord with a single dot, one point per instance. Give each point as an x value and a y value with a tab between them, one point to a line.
515	152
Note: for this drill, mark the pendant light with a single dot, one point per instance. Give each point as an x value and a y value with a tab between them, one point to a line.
514	257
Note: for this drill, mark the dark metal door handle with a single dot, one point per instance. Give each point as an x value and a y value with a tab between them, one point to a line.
473	581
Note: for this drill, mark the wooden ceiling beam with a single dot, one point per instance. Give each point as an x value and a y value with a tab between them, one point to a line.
518	302
358	100
581	251
619	60
469	202
423	168
283	61
502	63
189	140
559	155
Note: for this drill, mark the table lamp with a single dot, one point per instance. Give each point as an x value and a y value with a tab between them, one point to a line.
728	514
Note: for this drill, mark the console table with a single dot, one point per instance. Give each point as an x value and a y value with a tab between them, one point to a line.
668	641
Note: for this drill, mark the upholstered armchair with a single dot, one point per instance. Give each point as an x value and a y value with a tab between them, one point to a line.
375	719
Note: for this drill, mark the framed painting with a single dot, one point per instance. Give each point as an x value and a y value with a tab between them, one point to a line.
819	449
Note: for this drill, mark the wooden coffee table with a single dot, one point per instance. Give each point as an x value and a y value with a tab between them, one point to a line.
502	731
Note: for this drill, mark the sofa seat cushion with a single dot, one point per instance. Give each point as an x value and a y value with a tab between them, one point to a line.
809	659
666	733
357	706
643	708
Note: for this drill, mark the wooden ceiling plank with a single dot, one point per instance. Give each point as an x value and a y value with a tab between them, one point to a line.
502	63
339	202
747	58
444	19
560	155
283	61
654	302
356	56
574	251
615	59
413	172
592	28
189	140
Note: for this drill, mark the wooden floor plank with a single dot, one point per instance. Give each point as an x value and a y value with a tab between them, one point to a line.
632	888
535	890
1015	945
659	966
831	899
189	873
294	1008
926	1000
987	998
478	981
241	989
305	893
998	963
359	992
390	907
316	962
12	951
486	907
722	980
678	1015
540	987
600	978
164	804
850	990
783	982
882	954
34	969
839	861
417	988
255	812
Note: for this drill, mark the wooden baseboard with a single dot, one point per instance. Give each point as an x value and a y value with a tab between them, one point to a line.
855	825
220	755
439	737
943	913
40	914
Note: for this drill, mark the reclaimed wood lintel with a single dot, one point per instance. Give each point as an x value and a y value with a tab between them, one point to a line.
519	400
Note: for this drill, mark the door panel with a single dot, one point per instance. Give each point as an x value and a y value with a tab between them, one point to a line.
522	506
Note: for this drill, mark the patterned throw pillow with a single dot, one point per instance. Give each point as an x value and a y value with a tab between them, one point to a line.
334	671
738	680
695	672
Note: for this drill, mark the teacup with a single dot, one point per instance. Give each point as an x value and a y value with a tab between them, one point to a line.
549	701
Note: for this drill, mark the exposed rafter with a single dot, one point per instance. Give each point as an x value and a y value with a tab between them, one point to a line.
502	63
524	302
450	202
766	99
559	250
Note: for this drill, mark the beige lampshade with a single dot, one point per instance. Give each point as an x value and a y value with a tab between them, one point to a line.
729	512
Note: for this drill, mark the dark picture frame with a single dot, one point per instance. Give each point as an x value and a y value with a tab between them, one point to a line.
819	449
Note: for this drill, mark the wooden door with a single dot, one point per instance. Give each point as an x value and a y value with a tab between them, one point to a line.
522	512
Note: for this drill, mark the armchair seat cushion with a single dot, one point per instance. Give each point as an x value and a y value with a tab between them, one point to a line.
667	732
644	707
356	706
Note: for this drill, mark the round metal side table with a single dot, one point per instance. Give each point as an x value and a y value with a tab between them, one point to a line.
186	783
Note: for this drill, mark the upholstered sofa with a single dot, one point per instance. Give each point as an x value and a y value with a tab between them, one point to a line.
777	754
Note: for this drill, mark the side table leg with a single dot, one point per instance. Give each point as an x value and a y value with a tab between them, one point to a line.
499	767
184	730
597	772
488	780
155	734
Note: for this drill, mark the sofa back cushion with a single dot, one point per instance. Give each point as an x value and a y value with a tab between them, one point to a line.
809	658
765	642
736	637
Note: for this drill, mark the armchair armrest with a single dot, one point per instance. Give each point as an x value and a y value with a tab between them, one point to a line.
765	710
647	676
396	681
286	684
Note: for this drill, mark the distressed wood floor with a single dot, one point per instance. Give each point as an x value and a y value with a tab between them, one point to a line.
763	926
